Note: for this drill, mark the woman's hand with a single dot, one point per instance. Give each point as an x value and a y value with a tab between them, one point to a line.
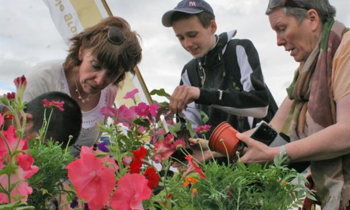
198	141
256	152
204	154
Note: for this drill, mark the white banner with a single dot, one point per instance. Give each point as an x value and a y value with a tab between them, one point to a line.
73	16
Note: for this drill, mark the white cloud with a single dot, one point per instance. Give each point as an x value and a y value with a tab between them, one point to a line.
28	36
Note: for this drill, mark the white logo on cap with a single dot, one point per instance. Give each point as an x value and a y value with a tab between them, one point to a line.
192	4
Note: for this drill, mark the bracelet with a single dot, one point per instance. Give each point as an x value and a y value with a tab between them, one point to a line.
284	155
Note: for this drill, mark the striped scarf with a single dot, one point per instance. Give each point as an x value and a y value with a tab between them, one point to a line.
311	87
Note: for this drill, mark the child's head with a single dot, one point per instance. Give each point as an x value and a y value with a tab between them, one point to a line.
62	123
194	25
187	9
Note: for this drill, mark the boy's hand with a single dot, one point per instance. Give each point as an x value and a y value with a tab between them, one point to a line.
182	96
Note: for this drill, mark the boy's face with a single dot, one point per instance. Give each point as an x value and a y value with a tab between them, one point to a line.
193	37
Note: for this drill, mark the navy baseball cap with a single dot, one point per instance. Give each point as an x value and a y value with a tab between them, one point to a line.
189	7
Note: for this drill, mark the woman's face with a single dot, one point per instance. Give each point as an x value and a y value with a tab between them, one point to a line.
92	77
297	38
193	37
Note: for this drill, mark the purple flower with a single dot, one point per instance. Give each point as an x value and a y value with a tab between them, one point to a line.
103	146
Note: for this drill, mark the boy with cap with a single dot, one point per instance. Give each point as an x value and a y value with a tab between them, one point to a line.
224	79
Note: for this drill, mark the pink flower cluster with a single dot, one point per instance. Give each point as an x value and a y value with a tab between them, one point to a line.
103	184
126	115
164	149
94	179
18	163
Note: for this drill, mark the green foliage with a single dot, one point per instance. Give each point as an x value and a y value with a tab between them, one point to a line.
240	186
52	161
16	206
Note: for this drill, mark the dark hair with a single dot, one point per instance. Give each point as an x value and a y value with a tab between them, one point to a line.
324	9
204	17
62	123
116	59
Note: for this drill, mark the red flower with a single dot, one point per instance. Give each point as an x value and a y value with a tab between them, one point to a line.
152	177
139	155
194	166
11	96
93	181
167	199
20	81
58	104
132	189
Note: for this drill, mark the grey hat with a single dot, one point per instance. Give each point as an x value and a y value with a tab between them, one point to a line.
189	7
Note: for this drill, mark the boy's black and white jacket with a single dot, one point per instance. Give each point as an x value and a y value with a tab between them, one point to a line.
231	84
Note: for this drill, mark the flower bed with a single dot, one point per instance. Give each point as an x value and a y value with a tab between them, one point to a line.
131	168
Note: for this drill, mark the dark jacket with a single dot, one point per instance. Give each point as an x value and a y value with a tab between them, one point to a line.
231	85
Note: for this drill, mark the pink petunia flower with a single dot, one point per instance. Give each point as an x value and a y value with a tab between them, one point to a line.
109	111
125	115
131	94
25	161
195	166
162	151
132	189
1	120
11	139
93	181
21	187
153	109
165	148
142	109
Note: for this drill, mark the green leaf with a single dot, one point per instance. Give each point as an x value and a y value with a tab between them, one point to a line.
143	122
190	129
160	92
205	117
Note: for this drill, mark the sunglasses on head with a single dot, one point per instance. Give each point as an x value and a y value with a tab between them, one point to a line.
115	36
284	3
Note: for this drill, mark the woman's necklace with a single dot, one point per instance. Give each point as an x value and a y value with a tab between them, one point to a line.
77	90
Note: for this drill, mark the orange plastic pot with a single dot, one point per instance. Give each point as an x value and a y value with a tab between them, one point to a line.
223	140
